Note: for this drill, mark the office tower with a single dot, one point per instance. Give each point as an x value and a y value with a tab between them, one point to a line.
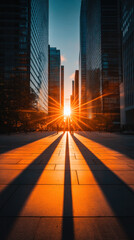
127	85
62	88
72	98
103	63
73	89
54	92
82	62
76	91
23	58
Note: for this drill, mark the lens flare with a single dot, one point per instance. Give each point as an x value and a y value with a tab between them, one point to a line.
67	111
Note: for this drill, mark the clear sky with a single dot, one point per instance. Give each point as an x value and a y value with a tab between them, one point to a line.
64	16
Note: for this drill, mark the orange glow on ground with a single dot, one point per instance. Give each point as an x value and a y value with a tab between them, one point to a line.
66	176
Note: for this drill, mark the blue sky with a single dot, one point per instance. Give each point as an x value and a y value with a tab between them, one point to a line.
64	34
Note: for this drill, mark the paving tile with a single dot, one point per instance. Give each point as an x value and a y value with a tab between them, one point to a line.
84	228
126	176
107	156
131	165
55	162
104	200
106	167
18	228
106	177
73	158
103	228
12	167
78	162
36	176
117	162
31	161
51	228
124	167
9	161
38	200
5	195
8	176
72	167
97	177
57	177
24	166
90	200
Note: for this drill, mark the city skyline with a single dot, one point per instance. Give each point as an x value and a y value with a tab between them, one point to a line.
66	167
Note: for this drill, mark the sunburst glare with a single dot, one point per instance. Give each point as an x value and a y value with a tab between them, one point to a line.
67	111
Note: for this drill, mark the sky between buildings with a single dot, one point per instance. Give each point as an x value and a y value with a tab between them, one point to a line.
64	17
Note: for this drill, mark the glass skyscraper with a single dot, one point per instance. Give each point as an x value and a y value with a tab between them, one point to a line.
82	63
76	90
39	52
127	26
62	87
54	93
103	63
72	98
23	56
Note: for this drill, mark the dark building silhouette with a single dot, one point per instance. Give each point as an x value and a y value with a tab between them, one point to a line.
54	92
23	57
103	62
82	62
72	98
62	88
76	91
127	85
73	89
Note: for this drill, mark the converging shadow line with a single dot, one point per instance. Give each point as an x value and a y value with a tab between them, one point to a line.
26	192
107	144
111	198
68	224
24	144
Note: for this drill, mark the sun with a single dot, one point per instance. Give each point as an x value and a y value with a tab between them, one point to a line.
67	111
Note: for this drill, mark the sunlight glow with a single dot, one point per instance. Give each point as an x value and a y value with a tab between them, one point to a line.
67	111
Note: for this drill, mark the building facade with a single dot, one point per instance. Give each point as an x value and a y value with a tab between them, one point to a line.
54	90
103	61
62	88
72	98
111	59
39	52
127	27
76	92
82	60
23	56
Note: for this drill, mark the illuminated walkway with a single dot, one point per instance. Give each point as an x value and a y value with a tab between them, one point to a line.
62	186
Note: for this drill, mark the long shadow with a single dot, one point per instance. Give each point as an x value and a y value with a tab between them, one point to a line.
68	225
122	200
123	144
53	134
8	143
24	192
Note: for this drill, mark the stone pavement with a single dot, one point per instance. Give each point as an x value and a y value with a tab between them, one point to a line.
62	186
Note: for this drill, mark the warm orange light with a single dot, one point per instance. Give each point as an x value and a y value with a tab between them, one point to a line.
90	116
67	111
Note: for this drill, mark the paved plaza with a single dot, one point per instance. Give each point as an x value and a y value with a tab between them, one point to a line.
63	186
